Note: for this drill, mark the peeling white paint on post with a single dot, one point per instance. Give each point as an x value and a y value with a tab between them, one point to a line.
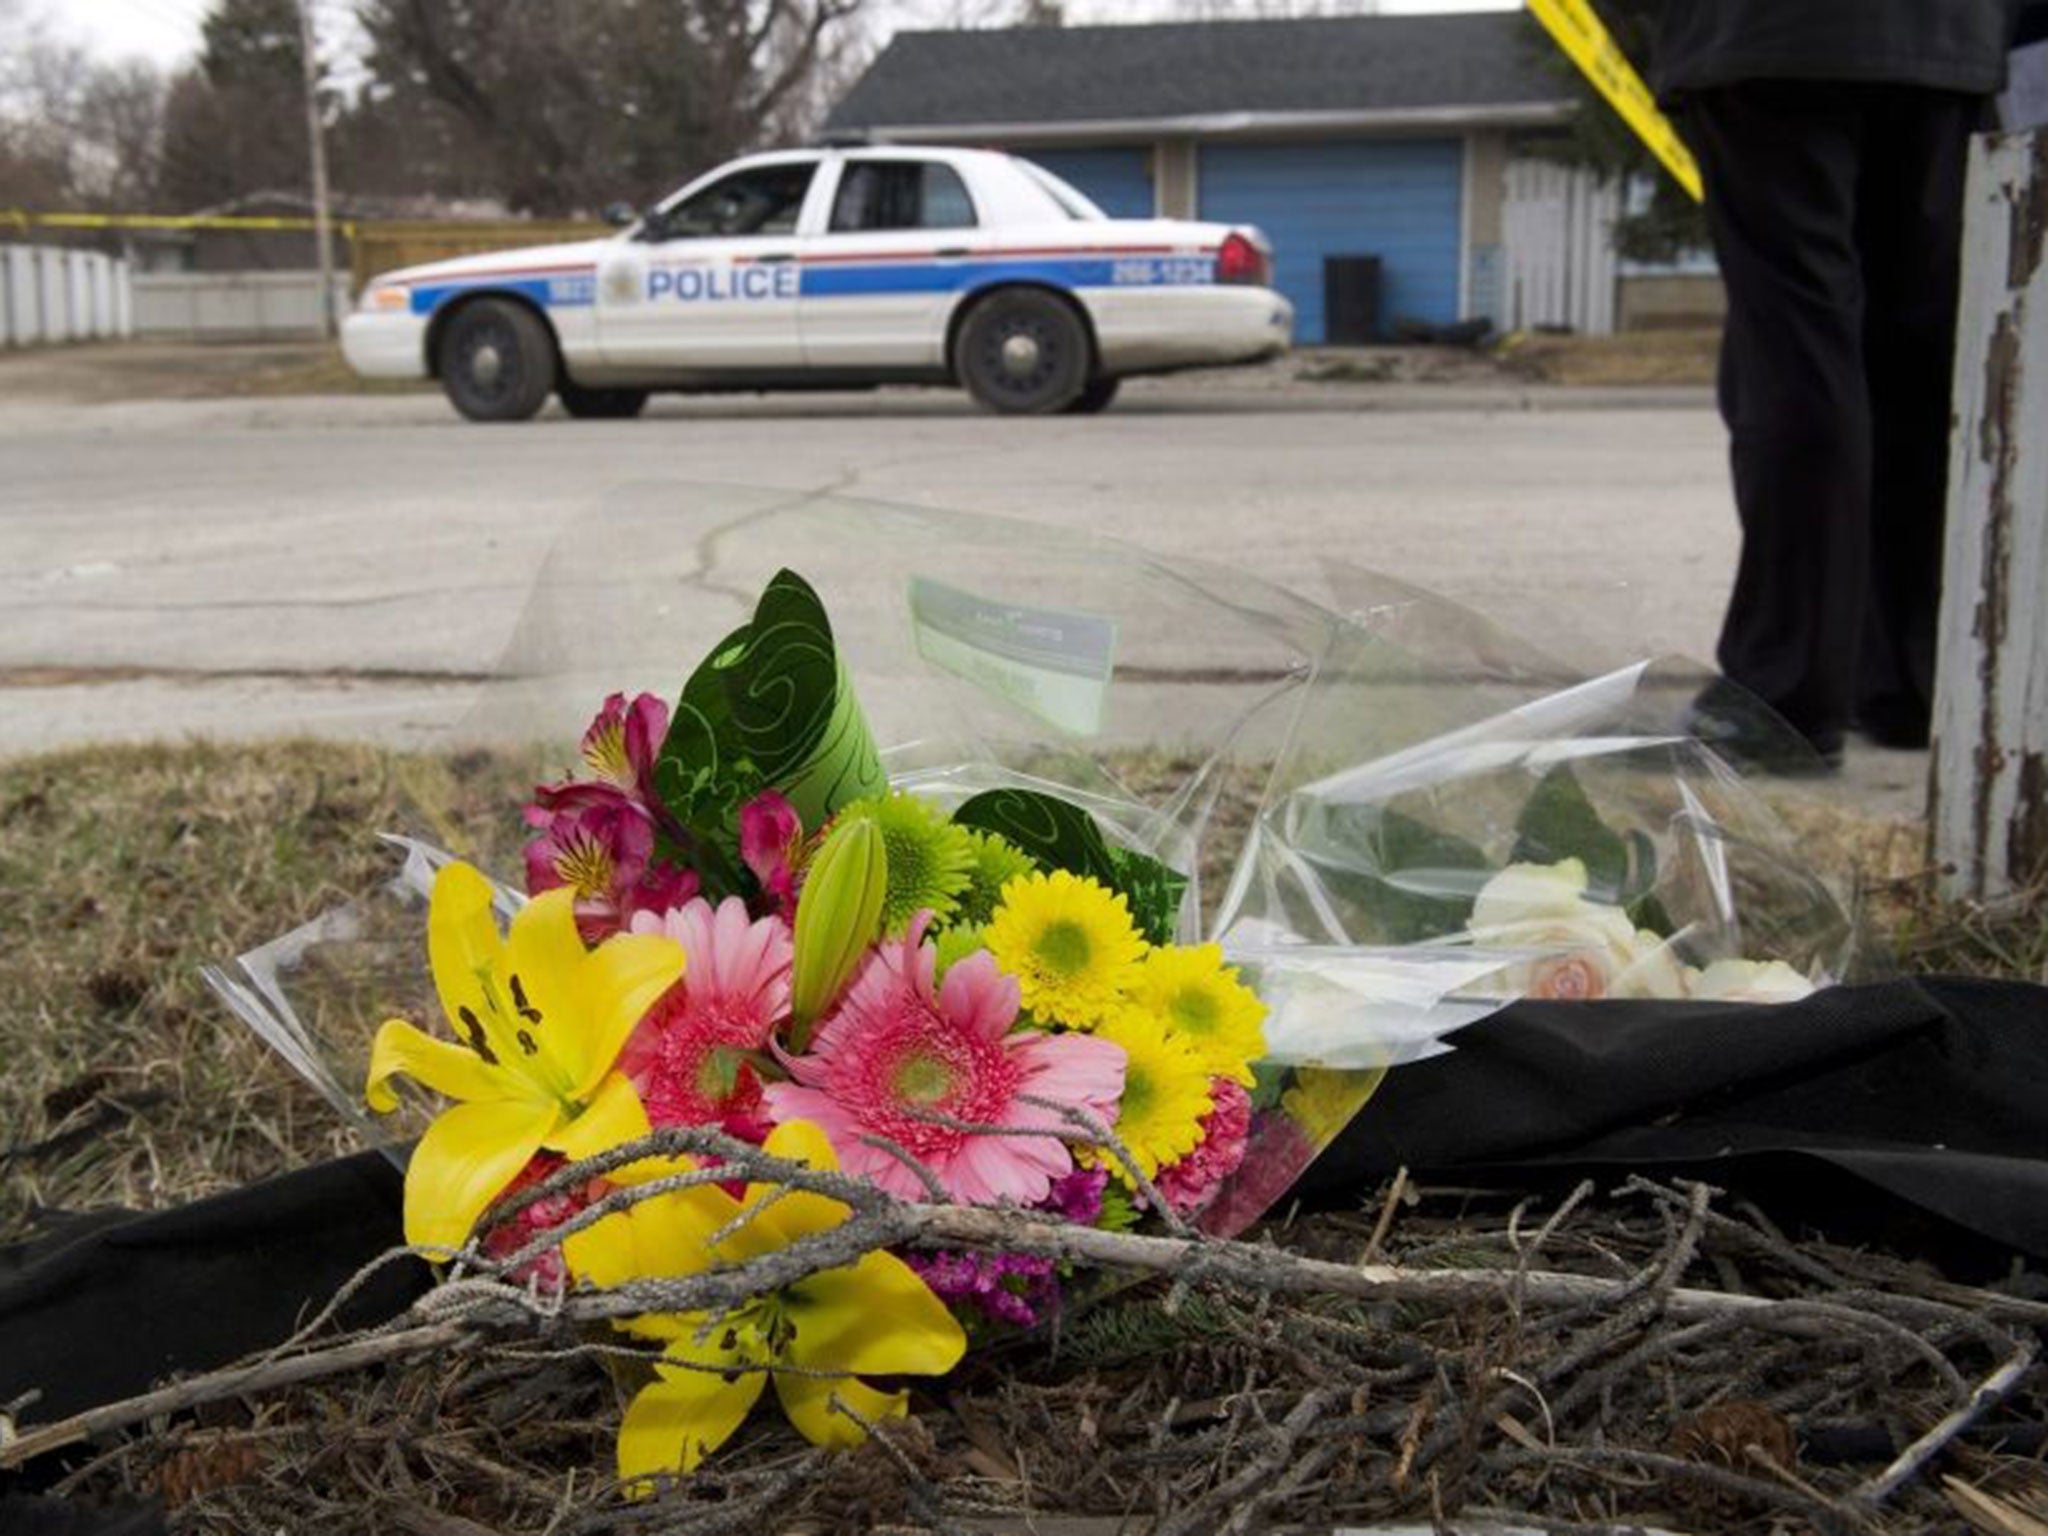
1988	791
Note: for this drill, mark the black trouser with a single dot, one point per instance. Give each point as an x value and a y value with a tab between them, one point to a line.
1837	211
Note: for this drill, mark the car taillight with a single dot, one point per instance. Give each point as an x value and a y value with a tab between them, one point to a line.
1240	261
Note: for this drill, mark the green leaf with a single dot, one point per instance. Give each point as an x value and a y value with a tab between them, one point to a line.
1154	892
1267	1081
770	708
1057	835
1559	822
1119	1213
1403	880
1046	829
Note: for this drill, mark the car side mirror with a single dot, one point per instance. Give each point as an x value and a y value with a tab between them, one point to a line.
619	214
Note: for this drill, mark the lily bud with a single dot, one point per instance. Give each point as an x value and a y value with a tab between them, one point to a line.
838	916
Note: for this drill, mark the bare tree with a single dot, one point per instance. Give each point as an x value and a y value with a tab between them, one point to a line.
755	67
235	124
567	104
73	133
121	120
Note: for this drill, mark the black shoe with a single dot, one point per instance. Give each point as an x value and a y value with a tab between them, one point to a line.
1755	740
1897	726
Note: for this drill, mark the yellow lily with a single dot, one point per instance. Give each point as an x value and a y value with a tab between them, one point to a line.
813	1336
541	1020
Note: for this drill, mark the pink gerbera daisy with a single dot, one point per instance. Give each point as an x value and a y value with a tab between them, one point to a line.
899	1051
693	1057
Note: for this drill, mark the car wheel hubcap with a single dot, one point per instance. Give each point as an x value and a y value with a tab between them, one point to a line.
1020	354
486	365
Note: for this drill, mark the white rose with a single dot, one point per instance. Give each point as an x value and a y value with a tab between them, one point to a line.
1749	981
1594	949
1656	971
1523	892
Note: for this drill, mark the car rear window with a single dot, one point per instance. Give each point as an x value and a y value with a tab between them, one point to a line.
1066	198
900	194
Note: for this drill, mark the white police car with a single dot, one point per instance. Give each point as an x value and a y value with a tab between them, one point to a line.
833	268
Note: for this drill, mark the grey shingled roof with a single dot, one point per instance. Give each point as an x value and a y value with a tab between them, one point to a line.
1184	69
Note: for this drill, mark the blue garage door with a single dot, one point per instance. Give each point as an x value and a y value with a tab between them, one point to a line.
1118	179
1394	199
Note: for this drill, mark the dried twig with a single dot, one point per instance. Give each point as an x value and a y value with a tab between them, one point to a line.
1912	1461
236	1381
1388	1208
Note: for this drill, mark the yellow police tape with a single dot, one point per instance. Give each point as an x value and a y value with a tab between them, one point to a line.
22	219
1588	44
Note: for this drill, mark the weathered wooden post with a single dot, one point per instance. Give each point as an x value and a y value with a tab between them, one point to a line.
1988	790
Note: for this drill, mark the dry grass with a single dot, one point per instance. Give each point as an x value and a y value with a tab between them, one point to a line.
122	872
181	370
1680	355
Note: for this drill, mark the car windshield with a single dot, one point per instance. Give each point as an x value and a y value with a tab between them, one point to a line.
1070	201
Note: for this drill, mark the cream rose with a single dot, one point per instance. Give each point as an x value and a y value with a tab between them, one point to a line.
1749	981
1594	949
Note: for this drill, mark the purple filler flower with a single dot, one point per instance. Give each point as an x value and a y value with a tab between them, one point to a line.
1077	1196
1013	1288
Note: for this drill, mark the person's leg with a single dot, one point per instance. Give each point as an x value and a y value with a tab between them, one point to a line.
1780	161
1909	231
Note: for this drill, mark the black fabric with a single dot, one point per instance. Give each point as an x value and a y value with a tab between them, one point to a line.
1836	212
1952	45
28	1515
1914	1112
105	1308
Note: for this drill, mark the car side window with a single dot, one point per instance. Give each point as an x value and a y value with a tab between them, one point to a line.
761	200
900	194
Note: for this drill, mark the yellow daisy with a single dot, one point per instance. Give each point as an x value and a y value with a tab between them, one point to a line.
1069	942
1202	1002
1166	1093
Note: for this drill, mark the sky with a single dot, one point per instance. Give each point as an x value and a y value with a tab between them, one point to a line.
167	31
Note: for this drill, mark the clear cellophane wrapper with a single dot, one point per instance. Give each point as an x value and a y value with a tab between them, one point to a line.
1339	779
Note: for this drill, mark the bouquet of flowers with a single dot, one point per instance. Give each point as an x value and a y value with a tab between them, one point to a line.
981	968
735	922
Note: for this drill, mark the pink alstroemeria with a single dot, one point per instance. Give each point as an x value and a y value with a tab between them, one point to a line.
900	1056
598	840
771	840
620	745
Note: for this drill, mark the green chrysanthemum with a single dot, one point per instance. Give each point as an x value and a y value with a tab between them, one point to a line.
997	861
930	859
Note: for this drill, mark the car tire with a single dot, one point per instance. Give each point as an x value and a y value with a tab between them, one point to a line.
1023	352
601	404
1096	396
496	361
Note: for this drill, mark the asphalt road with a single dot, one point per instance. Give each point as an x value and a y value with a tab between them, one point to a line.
352	564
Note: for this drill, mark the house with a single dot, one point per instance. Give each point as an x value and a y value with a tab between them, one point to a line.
1372	136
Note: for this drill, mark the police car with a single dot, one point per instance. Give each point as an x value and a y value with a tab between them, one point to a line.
832	268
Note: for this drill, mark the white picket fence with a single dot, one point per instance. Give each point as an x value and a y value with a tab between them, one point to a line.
49	296
1558	266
